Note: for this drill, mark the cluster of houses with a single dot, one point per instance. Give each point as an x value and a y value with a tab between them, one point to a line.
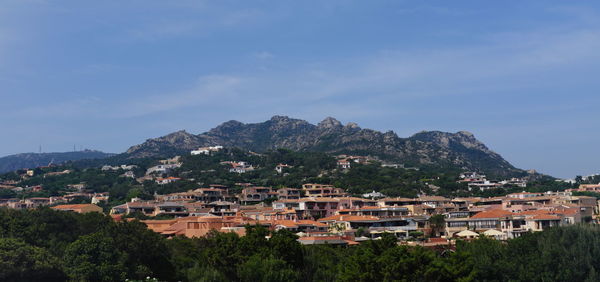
346	161
35	202
476	181
595	188
239	166
326	214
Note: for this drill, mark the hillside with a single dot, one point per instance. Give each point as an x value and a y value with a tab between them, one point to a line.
429	148
33	160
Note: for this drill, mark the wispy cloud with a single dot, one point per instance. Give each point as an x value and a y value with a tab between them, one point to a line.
381	80
205	92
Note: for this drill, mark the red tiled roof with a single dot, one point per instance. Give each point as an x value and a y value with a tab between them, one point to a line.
497	213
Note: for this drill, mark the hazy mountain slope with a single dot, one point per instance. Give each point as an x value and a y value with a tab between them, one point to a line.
33	160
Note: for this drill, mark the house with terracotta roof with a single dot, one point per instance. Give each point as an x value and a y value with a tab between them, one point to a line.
199	226
376	211
135	206
223	208
400	226
289	193
514	224
252	195
305	226
79	208
322	190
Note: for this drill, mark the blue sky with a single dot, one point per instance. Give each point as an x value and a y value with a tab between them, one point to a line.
521	75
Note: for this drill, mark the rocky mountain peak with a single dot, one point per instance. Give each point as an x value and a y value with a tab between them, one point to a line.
352	125
278	118
466	133
329	123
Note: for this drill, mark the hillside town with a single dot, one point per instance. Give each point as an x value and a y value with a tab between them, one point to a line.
325	214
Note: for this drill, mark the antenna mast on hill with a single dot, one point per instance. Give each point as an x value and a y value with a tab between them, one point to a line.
40	149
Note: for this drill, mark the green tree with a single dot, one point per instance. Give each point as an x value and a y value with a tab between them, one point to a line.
22	262
94	258
269	269
437	223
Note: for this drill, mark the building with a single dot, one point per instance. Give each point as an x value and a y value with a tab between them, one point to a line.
289	194
251	195
199	226
322	190
80	208
206	150
281	167
162	169
238	167
166	180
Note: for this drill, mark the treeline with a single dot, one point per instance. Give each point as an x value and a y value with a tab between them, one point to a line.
47	245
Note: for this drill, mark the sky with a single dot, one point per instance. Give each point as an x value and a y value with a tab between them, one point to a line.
523	76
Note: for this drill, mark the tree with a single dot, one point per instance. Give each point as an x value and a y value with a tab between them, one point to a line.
22	262
438	224
284	246
146	251
269	269
94	258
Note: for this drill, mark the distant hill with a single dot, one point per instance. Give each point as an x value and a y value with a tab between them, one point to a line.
33	160
429	148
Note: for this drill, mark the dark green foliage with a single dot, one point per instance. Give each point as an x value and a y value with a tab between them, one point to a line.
47	245
20	261
94	258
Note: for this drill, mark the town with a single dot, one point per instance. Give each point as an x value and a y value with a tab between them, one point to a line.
322	213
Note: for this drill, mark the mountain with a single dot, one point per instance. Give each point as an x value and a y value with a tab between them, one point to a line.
33	160
459	150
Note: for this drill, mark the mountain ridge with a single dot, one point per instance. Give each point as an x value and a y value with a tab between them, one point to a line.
426	148
33	160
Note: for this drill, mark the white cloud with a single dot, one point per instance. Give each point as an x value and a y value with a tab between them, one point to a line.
207	91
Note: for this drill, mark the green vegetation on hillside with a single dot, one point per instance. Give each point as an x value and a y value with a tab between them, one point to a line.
306	167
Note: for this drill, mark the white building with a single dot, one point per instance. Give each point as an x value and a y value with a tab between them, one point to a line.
206	150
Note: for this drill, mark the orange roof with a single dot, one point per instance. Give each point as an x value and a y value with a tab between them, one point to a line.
294	224
492	214
571	211
349	218
76	206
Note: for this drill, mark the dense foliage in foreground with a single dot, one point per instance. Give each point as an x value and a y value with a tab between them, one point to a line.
51	245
